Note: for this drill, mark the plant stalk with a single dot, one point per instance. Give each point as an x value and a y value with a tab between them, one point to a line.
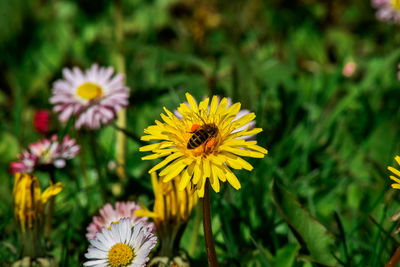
120	65
208	235
94	150
394	260
50	210
31	242
129	134
195	233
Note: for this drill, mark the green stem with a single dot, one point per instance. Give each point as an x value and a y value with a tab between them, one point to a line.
166	243
65	130
50	210
49	216
129	134
170	237
208	235
195	233
94	150
120	64
82	160
31	242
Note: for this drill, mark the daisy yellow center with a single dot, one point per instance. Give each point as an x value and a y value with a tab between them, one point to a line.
89	91
120	255
396	4
45	155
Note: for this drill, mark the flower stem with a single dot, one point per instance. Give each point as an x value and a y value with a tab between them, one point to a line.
394	259
195	233
129	134
208	235
94	150
49	217
120	64
31	243
50	210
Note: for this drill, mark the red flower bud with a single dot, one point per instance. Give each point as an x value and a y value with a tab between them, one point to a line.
41	121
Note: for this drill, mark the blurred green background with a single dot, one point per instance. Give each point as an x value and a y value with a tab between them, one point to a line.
330	137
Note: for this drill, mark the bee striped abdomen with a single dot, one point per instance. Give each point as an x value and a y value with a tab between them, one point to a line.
202	135
197	139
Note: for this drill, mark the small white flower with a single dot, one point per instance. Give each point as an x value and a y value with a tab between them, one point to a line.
94	97
122	246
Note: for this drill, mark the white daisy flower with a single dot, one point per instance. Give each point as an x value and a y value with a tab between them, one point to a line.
94	97
121	246
109	215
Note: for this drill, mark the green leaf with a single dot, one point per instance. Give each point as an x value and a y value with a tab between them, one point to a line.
286	256
9	147
311	234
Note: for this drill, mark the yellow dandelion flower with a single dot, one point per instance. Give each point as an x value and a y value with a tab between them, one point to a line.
203	144
171	206
29	202
395	172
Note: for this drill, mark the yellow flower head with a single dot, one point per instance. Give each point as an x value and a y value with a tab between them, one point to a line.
395	4
395	172
29	202
171	206
203	144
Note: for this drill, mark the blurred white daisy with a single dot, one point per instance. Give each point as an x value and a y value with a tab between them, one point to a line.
94	96
122	245
46	152
387	10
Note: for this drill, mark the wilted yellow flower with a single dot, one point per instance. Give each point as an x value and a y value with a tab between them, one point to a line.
199	16
203	144
171	206
204	18
171	211
395	172
29	202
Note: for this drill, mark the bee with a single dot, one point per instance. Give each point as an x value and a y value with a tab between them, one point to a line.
202	134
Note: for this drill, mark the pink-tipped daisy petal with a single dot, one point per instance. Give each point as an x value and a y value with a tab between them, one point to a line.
94	97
